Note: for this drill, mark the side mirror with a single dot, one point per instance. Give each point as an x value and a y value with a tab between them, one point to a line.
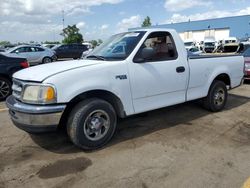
145	54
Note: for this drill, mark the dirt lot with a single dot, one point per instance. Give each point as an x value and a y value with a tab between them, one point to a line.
179	146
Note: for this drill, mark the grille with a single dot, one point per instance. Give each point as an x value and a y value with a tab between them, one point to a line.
17	88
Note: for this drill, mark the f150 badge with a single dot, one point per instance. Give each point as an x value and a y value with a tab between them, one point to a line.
121	77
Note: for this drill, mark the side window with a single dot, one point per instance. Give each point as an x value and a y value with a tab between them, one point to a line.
82	47
32	49
39	49
76	46
62	47
71	47
19	50
159	46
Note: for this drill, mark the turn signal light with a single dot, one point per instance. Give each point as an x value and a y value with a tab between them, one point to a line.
50	94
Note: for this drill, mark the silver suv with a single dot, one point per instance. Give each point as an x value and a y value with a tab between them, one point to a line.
34	54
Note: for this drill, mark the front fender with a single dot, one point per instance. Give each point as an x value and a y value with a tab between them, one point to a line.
104	77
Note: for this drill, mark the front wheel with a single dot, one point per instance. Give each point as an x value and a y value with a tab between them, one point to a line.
5	88
217	96
91	123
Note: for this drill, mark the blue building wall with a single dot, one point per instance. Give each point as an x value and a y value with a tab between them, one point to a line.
239	25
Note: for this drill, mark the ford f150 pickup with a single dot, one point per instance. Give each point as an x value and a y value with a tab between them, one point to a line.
130	73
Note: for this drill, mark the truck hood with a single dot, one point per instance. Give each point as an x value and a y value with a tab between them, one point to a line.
41	72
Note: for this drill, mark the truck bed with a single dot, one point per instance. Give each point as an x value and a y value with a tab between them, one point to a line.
204	69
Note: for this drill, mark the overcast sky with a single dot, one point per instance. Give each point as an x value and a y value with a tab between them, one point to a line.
40	20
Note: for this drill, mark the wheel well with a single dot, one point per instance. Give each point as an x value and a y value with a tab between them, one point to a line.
101	94
224	78
6	76
47	57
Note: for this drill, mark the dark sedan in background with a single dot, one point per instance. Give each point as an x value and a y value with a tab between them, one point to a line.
8	66
69	50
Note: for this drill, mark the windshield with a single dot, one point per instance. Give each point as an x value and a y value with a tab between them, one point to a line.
56	46
194	50
209	44
117	47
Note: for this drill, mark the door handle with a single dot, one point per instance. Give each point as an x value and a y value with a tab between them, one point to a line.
180	69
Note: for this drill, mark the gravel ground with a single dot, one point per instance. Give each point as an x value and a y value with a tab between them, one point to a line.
179	146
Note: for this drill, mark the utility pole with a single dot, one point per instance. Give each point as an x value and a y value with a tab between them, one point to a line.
63	21
63	18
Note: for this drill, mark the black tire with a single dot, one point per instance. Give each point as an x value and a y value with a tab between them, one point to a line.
5	88
217	96
80	121
46	60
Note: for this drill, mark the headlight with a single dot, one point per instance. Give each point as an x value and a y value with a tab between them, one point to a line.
39	94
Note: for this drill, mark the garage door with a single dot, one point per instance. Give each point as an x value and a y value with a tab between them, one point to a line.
220	34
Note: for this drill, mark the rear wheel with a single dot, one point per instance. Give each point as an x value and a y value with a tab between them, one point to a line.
91	123
5	88
47	60
217	96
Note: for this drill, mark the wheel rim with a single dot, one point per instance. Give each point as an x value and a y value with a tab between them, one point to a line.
4	89
47	60
219	97
96	125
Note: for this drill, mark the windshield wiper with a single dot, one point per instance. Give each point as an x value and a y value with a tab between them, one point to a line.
96	57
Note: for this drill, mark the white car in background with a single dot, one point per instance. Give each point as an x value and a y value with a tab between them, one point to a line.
34	54
189	43
209	44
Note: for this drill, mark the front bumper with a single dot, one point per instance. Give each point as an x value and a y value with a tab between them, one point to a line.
34	118
209	50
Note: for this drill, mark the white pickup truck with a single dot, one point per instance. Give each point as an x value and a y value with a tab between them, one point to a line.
130	73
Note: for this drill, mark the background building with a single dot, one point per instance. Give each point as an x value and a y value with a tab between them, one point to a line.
220	28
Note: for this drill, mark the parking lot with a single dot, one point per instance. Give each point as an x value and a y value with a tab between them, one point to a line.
179	146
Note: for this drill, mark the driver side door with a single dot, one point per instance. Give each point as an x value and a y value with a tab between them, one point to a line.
159	80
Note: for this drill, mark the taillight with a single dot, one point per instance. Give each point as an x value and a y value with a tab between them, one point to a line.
24	64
